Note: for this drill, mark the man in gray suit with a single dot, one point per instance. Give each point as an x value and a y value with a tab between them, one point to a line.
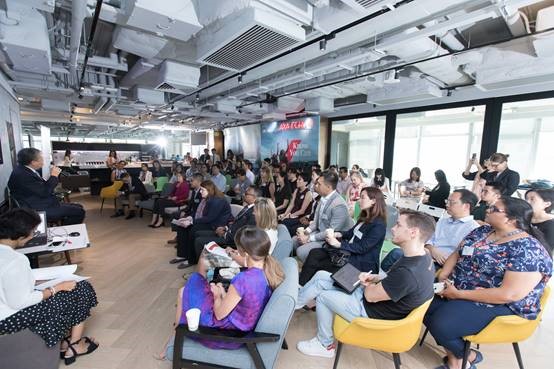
331	212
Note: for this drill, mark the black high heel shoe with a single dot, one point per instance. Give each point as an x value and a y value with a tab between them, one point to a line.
91	347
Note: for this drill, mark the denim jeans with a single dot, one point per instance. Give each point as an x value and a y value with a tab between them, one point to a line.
331	300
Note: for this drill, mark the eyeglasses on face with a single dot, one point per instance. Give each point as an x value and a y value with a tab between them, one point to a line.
495	209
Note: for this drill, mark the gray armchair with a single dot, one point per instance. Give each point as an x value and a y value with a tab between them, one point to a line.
283	248
262	346
25	349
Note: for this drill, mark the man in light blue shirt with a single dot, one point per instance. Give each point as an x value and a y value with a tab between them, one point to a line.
218	179
450	231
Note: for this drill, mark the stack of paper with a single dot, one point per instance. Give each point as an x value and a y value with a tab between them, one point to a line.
49	277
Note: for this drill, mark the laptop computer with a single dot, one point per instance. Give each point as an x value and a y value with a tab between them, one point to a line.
41	235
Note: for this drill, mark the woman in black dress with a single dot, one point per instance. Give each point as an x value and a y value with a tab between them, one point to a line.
282	192
300	205
542	202
439	193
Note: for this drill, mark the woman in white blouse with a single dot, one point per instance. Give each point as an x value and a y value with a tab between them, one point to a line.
145	175
50	313
266	219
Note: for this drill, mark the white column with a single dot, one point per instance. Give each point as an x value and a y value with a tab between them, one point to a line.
46	144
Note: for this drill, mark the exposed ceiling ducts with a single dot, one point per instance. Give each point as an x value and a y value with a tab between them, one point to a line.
216	62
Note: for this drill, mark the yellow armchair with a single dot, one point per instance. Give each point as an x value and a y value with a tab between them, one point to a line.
507	329
110	192
394	336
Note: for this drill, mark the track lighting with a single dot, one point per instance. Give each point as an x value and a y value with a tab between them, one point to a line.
240	78
322	44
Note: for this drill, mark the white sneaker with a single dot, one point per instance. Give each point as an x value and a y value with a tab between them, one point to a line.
314	348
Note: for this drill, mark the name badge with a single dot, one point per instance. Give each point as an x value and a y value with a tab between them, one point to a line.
468	251
358	234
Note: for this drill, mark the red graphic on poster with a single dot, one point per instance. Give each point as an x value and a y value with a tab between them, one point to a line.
291	149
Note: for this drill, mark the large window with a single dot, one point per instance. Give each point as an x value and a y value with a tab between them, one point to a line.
437	139
527	135
358	141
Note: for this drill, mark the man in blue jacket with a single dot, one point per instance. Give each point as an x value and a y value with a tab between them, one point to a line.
31	191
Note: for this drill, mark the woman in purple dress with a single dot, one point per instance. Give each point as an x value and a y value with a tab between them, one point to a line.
242	304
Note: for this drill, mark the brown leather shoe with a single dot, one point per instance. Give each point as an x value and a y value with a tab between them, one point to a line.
172	242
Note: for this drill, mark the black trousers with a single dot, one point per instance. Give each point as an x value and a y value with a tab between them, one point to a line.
68	213
318	259
292	224
185	241
161	204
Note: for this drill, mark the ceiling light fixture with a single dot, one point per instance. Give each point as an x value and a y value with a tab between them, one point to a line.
197	96
240	78
322	45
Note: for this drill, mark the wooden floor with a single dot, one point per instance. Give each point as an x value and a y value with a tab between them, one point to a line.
136	287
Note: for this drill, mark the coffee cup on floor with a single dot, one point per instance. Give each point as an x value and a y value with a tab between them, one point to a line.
300	230
193	318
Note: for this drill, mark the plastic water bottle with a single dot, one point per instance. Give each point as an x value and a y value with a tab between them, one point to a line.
210	274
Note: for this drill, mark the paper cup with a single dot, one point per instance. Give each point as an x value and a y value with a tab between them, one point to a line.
300	230
330	232
193	318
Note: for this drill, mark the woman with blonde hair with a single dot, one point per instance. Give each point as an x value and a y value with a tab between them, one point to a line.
266	219
267	185
241	305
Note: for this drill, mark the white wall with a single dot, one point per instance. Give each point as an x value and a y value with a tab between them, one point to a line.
9	112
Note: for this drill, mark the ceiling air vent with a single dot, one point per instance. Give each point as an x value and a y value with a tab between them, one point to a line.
246	38
368	3
165	87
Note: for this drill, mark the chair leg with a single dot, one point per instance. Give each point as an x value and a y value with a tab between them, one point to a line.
467	346
337	355
396	359
67	257
102	206
285	346
423	337
518	355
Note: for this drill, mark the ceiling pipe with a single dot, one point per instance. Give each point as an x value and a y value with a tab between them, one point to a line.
90	38
78	13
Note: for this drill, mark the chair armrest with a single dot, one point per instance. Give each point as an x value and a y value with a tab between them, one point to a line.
226	335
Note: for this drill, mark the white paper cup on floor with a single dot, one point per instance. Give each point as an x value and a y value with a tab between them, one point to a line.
330	232
193	318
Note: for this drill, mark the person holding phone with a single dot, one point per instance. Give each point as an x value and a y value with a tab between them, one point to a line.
408	284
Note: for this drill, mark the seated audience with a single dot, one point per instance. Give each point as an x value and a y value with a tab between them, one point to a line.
354	190
32	191
283	192
213	211
215	156
315	173
380	181
157	170
239	186
408	285
356	169
178	196
242	304
451	230
267	185
145	174
361	244
331	213
249	173
204	169
133	190
218	179
413	186
292	175
300	205
118	171
193	169
497	270
344	181
175	172
51	313
499	172
542	202
225	235
205	156
491	192
195	197
439	194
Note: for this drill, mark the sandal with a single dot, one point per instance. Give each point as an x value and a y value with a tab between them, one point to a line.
92	346
477	360
67	340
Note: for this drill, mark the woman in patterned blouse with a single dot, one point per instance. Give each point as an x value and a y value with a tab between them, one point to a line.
498	269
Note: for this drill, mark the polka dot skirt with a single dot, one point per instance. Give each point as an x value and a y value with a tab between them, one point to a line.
52	318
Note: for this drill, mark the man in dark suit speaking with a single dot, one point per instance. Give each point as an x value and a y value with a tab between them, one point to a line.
32	191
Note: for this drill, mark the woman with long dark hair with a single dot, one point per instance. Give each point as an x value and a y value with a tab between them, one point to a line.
361	245
498	269
111	160
413	186
380	181
542	202
439	193
178	196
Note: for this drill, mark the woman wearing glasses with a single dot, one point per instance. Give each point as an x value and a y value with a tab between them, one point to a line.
498	269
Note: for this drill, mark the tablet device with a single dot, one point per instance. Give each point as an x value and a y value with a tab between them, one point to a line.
347	277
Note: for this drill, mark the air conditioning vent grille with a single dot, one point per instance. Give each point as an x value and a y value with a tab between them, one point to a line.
254	45
367	3
165	86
